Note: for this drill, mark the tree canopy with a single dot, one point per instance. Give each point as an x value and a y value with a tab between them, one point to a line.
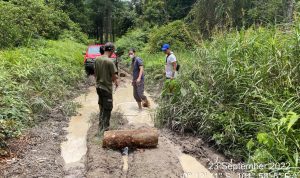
106	20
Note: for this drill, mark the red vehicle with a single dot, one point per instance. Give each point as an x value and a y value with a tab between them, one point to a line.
90	55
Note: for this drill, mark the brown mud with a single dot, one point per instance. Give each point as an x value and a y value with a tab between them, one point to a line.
63	147
37	152
167	160
40	157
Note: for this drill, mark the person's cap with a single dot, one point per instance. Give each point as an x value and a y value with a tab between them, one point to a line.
109	47
165	47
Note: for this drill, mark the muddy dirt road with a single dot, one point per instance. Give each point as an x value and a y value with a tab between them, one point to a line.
73	148
164	161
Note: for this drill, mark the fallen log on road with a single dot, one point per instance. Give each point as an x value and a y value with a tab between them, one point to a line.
140	138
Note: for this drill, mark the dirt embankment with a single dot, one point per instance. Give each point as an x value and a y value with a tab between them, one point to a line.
40	155
37	153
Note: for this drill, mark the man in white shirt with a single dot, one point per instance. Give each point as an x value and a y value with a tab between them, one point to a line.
170	62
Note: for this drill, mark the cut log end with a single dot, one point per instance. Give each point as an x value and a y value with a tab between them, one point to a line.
140	138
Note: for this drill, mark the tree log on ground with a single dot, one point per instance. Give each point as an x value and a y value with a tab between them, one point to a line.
140	138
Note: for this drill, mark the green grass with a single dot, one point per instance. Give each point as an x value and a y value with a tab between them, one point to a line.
35	79
239	91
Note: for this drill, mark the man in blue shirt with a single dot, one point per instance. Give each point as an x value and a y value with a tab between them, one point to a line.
171	62
138	79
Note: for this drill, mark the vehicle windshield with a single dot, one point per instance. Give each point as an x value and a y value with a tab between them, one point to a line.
94	50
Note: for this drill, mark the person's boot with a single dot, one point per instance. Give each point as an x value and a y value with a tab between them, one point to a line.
101	121
101	126
106	119
146	103
140	105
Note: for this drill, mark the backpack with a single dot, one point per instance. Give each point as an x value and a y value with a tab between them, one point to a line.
177	64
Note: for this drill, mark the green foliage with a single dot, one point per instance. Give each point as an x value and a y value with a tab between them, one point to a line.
74	34
78	13
240	89
175	33
35	79
267	11
178	9
110	19
133	39
243	94
171	87
124	18
23	20
160	12
155	12
282	141
208	15
154	66
172	90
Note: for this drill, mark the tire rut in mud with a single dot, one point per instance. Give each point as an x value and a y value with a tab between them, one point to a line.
101	162
151	163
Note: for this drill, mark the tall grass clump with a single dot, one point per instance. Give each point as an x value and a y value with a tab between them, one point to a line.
175	33
33	80
241	91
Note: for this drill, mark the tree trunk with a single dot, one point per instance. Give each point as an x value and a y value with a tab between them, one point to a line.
101	30
97	33
289	10
109	25
141	138
106	30
113	30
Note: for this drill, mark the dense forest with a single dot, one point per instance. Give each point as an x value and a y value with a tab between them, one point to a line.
108	20
240	66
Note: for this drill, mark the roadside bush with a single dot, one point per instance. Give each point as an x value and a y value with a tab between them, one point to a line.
241	91
35	79
74	34
23	20
133	39
175	33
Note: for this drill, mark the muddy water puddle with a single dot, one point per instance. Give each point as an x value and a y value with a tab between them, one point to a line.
125	103
74	149
192	168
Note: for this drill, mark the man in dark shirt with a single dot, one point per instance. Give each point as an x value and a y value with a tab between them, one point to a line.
138	79
106	74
